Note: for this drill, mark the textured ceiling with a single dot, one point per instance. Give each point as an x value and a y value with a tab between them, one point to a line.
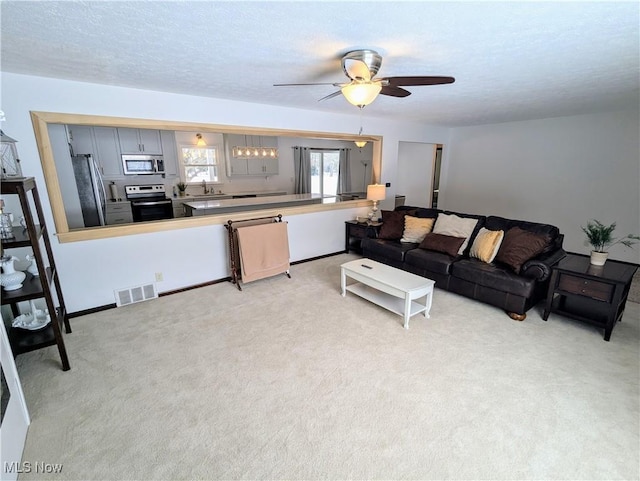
511	60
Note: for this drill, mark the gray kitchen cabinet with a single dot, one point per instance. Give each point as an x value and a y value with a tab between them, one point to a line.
271	166
178	209
238	167
99	142
108	151
262	166
118	213
169	153
140	141
81	139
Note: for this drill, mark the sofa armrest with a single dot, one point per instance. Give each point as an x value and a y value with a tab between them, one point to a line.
540	267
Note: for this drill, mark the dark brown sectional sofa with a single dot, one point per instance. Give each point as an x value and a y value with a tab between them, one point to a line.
516	280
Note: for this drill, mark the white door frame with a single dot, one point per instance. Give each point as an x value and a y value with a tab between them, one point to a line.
15	423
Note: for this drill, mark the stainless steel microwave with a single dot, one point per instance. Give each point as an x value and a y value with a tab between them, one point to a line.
136	164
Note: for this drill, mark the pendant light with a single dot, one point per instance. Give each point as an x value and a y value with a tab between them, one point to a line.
360	143
253	151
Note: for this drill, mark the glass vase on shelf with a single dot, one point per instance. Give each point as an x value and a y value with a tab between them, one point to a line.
6	223
33	267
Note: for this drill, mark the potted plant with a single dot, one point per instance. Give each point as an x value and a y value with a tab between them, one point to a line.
601	238
181	188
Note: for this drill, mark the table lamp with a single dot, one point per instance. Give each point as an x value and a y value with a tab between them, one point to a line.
375	192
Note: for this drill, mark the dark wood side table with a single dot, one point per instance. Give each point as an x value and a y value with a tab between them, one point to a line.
355	232
588	293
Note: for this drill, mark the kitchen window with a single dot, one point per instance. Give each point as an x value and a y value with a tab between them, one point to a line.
200	164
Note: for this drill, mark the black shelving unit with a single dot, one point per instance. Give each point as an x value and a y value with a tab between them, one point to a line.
35	287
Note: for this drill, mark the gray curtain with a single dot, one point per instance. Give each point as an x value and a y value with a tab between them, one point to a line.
302	170
344	171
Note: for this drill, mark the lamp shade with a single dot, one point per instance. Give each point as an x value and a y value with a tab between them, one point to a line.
376	192
361	94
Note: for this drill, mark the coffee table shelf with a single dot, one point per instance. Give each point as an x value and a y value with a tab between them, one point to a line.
389	302
388	287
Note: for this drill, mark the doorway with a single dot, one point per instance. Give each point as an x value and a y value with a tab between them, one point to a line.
435	181
417	172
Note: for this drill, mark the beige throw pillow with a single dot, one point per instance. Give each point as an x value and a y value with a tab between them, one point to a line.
486	244
451	224
415	228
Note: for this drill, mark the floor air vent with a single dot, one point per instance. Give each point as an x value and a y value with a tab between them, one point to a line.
132	295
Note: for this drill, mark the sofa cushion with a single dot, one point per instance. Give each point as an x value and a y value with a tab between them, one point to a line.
388	249
453	225
426	212
486	244
442	243
418	211
415	228
518	246
550	231
494	276
429	260
392	224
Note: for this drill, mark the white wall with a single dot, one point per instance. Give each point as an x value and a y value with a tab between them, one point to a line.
91	270
562	171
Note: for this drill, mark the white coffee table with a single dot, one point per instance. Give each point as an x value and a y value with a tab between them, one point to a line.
388	287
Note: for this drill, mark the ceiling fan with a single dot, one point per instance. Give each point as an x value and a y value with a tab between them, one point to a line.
361	66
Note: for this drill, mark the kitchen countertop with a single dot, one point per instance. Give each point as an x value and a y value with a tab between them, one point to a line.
229	195
221	206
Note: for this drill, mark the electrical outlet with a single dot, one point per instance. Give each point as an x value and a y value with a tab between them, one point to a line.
159	277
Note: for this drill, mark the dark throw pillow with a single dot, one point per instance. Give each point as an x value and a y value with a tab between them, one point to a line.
392	224
518	246
442	243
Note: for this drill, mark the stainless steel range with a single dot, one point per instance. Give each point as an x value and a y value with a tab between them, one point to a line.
149	202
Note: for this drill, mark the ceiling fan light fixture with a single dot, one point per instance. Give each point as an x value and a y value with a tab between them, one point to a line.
361	94
360	143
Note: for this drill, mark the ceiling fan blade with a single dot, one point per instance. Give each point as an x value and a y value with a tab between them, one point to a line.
330	96
294	85
394	91
422	80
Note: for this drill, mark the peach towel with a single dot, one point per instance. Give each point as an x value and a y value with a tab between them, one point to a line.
264	250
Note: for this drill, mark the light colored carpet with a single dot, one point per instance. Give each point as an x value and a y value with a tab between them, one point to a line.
289	380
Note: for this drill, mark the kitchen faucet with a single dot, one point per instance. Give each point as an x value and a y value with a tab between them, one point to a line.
204	187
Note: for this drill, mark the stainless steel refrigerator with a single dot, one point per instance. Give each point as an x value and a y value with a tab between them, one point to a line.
91	189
